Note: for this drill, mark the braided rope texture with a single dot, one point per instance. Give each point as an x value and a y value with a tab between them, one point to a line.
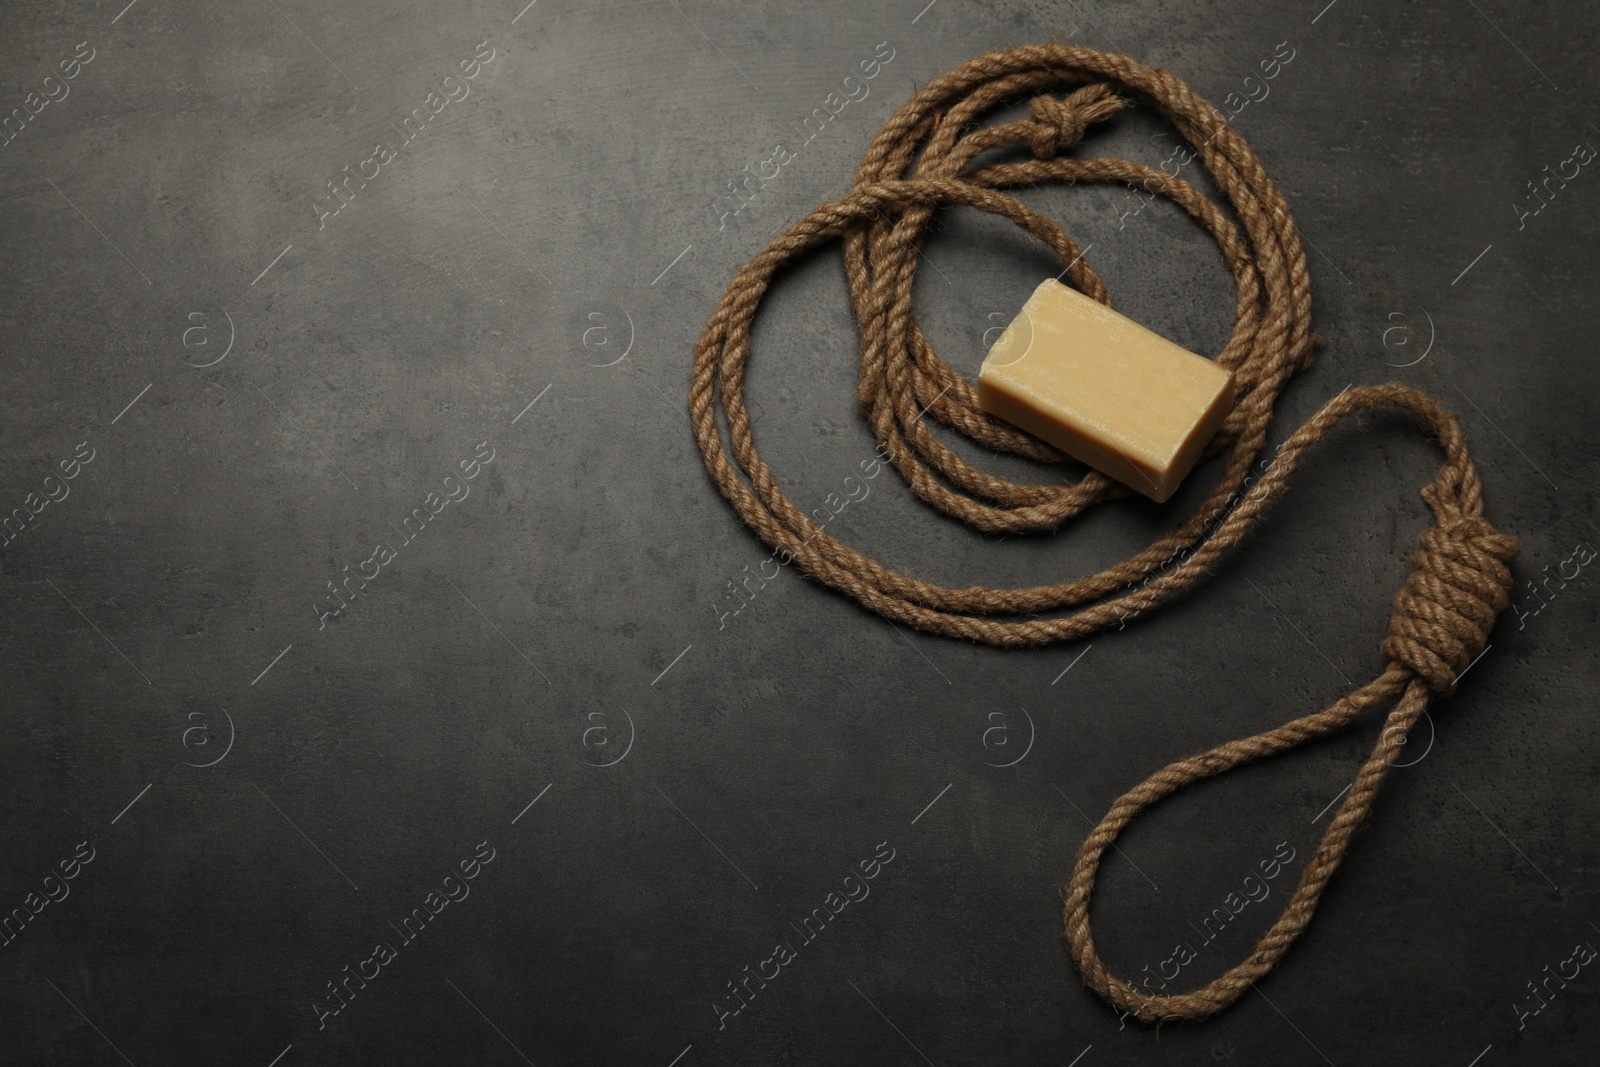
924	158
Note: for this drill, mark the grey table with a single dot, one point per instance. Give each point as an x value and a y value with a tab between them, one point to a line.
287	282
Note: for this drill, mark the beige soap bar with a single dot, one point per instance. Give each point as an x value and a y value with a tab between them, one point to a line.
1105	390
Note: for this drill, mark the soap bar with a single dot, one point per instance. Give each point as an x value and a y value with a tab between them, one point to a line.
1105	390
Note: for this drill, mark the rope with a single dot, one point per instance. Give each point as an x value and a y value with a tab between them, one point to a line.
1459	582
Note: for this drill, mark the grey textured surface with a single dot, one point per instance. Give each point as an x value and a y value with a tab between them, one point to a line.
565	613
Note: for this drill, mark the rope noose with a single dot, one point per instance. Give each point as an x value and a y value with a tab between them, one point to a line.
922	159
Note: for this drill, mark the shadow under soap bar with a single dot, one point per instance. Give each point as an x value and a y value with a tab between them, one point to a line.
1105	390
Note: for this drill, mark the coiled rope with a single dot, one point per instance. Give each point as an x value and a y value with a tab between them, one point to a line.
1459	583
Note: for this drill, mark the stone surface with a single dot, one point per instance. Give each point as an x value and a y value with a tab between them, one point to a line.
270	390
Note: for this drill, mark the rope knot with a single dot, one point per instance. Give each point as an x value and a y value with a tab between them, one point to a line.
1459	585
1061	124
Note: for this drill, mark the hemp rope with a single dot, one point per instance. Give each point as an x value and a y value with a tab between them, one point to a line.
1459	581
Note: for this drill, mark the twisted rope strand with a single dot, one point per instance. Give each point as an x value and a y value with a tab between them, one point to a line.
924	158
